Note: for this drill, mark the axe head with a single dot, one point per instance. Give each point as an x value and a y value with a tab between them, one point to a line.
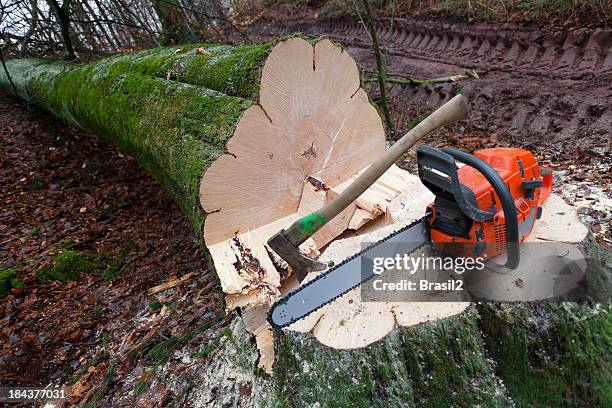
301	264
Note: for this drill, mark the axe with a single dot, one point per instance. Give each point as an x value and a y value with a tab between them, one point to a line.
286	242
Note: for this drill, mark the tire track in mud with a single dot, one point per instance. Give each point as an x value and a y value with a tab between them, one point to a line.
554	87
569	53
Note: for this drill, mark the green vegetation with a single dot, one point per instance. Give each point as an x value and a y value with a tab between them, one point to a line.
155	305
143	383
68	265
106	382
552	354
8	281
457	89
161	353
526	11
414	121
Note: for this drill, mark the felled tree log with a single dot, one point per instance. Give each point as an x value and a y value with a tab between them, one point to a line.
244	138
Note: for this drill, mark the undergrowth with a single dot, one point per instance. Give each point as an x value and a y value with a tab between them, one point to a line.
69	264
8	281
592	12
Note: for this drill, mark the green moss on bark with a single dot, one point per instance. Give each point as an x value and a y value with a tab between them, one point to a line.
448	365
435	364
175	130
232	70
554	354
359	378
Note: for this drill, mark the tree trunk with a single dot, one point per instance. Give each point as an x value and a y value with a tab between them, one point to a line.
181	111
175	27
173	128
63	18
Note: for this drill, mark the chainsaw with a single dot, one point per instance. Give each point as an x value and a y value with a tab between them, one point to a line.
485	208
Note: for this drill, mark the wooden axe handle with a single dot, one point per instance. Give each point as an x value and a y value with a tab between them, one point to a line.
304	228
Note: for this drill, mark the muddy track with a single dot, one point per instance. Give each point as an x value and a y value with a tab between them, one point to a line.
563	54
550	86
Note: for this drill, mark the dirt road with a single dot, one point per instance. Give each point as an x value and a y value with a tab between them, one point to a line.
548	89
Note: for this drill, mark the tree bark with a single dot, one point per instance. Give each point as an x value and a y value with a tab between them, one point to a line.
380	64
61	12
175	27
174	128
174	110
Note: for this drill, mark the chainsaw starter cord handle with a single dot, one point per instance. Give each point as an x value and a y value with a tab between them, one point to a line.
505	198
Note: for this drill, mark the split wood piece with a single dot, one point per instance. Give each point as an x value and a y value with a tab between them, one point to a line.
170	284
249	271
254	318
350	323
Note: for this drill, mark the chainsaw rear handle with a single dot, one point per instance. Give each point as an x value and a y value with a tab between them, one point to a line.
547	181
438	171
302	229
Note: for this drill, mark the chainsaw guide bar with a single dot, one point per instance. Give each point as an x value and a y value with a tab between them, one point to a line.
290	309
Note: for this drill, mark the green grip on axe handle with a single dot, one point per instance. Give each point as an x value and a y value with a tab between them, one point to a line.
305	227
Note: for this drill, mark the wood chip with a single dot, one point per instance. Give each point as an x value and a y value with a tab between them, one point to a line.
170	284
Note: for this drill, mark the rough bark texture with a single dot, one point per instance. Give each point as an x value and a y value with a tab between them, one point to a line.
173	109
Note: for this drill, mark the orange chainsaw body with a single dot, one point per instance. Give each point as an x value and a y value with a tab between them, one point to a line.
529	185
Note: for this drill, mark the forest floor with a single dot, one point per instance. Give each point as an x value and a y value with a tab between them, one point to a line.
86	234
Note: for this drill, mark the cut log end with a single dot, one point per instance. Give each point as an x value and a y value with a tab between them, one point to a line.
312	130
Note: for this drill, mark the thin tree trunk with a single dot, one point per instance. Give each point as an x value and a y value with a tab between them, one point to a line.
380	65
175	27
63	19
31	30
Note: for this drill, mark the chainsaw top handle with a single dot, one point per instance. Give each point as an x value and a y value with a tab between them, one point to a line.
438	171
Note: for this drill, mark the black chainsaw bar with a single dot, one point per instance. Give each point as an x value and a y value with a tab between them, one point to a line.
340	279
